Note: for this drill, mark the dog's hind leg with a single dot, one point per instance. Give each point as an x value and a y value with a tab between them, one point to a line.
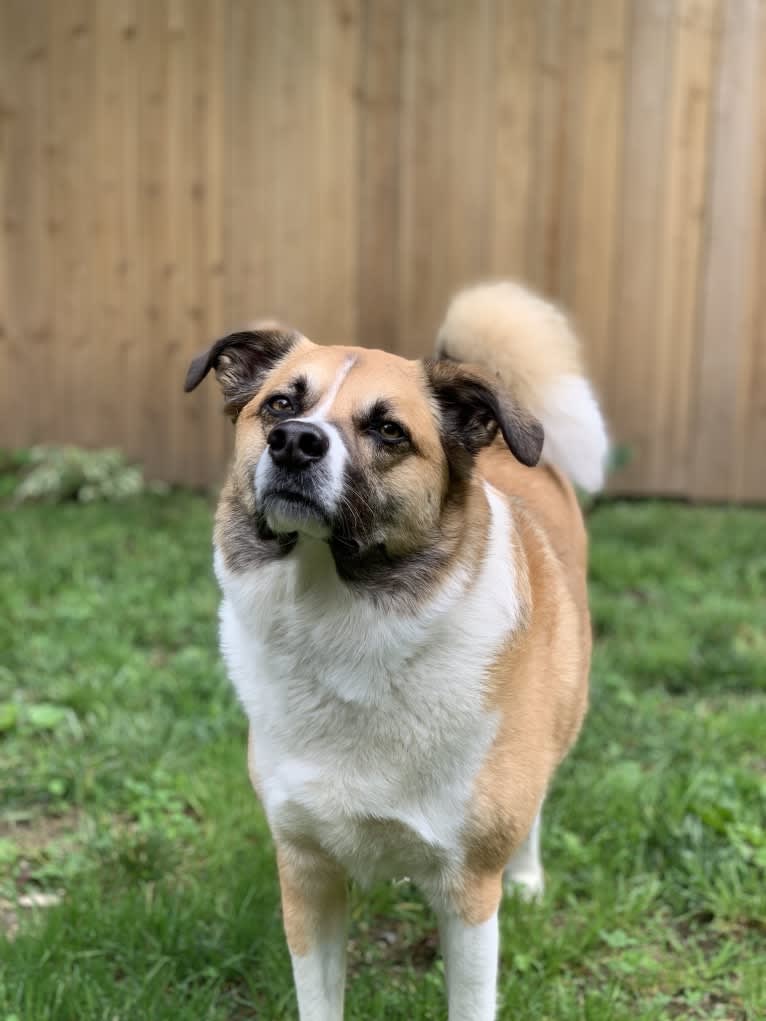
314	909
524	872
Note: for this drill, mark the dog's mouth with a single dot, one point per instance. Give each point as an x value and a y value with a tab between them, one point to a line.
298	499
288	510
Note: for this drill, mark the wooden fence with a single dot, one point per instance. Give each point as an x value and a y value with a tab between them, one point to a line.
172	168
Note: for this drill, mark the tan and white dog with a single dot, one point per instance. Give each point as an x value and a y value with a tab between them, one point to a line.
404	615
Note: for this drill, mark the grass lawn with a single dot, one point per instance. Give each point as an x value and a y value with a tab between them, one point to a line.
124	792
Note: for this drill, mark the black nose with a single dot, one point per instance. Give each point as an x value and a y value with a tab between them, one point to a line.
295	445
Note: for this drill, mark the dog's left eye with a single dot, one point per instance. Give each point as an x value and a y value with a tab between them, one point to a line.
280	404
391	432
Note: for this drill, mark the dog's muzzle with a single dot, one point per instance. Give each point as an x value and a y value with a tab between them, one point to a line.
295	481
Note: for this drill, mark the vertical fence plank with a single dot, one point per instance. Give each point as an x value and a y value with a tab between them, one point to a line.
731	237
469	81
253	160
544	222
334	245
678	260
111	364
27	342
8	43
750	481
565	240
181	416
632	380
512	182
379	156
600	155
424	173
148	415
73	112
216	185
294	95
186	266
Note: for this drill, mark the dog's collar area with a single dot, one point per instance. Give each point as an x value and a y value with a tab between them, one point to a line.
371	570
285	541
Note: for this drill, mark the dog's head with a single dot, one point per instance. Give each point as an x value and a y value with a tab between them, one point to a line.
355	446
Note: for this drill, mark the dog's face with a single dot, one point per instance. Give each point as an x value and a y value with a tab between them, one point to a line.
358	447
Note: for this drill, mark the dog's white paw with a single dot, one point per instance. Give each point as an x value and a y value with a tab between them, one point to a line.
529	884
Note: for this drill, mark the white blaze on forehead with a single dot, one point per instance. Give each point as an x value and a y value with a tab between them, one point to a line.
325	405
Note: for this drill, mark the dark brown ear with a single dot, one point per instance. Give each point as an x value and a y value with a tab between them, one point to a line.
474	407
241	361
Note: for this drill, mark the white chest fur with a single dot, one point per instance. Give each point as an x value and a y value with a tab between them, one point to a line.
369	727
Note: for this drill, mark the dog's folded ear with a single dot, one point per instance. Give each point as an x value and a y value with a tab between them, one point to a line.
473	407
241	361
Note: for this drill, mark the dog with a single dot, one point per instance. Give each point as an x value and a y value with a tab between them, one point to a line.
402	559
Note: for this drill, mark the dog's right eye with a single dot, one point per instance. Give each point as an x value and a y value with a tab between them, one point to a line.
280	404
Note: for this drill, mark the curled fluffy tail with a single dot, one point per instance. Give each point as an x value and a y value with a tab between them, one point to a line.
530	345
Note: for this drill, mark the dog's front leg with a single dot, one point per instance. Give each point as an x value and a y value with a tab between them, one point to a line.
314	910
469	937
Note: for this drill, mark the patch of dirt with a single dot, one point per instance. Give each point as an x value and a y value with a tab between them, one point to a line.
711	1006
9	919
31	835
391	942
10	912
